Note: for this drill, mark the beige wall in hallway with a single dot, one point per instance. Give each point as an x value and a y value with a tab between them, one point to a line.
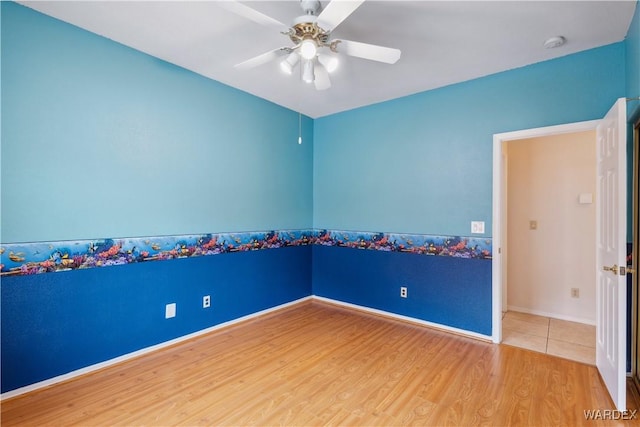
546	177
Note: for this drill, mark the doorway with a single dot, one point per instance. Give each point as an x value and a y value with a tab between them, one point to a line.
550	227
500	213
611	237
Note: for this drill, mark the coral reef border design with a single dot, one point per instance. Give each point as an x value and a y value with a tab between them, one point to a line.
455	246
49	257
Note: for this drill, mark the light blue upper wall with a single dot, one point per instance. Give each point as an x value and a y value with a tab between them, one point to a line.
100	140
632	44
423	163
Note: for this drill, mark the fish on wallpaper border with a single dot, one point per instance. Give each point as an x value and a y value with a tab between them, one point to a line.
16	257
211	243
380	238
58	255
67	262
183	249
103	245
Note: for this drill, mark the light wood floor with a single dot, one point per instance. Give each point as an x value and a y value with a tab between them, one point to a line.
317	364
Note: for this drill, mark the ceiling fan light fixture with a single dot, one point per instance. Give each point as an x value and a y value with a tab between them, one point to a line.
308	49
307	72
287	65
329	62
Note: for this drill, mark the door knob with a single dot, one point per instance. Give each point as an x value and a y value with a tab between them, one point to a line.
613	269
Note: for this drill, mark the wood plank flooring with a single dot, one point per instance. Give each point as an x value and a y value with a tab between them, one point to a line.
319	364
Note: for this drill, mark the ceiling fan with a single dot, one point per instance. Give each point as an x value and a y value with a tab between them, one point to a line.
313	49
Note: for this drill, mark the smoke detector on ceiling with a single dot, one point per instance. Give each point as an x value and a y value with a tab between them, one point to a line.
554	42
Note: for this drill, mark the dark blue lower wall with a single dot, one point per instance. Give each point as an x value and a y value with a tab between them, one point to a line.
630	314
55	323
446	290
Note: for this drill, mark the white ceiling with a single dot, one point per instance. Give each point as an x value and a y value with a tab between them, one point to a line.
442	42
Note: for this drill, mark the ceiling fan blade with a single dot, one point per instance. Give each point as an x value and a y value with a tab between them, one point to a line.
261	59
336	12
252	14
369	51
321	77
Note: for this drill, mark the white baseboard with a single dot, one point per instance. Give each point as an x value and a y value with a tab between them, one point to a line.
552	315
128	356
413	320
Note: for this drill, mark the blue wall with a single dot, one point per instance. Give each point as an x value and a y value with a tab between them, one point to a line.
423	163
632	57
632	45
102	141
632	51
99	140
55	323
446	290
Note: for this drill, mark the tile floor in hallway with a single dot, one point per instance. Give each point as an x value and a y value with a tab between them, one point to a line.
570	340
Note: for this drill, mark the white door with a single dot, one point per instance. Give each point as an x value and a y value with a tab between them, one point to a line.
611	237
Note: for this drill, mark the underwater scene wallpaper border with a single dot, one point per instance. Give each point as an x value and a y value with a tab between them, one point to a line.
49	257
455	246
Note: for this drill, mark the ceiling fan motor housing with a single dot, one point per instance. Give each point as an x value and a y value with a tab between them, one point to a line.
310	7
308	31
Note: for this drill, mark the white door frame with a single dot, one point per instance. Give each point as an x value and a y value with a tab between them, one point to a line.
499	178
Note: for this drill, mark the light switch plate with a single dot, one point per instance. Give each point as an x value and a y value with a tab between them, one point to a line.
585	198
477	227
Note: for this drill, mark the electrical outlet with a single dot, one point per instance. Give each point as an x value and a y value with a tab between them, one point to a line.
170	311
206	301
403	291
575	293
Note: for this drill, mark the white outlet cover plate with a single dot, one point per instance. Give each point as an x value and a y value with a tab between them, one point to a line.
170	311
477	227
